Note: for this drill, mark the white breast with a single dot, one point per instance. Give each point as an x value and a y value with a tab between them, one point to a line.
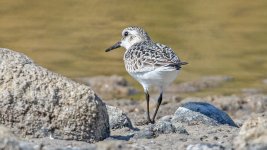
156	77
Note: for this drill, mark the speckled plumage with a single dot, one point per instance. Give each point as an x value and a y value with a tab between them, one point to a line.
148	56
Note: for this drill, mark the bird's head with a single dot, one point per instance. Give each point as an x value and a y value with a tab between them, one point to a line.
130	36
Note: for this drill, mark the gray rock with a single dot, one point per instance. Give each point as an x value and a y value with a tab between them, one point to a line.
153	130
265	81
109	87
201	112
179	128
118	119
160	127
163	127
253	133
197	85
38	103
147	133
203	146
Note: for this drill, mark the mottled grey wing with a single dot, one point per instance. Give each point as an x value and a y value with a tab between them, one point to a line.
150	56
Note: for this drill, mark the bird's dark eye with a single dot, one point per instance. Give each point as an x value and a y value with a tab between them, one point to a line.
126	33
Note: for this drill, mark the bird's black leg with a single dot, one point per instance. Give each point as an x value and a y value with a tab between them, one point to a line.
147	104
157	108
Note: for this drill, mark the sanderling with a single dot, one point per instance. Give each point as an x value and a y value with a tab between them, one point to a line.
150	63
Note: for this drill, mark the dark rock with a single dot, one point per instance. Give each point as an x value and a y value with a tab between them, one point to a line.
118	119
38	103
109	87
201	112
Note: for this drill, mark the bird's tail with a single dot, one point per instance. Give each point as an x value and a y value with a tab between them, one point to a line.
177	66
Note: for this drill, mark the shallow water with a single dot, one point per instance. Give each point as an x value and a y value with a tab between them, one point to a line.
69	37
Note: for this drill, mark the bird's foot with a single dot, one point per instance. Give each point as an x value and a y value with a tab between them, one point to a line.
144	122
150	121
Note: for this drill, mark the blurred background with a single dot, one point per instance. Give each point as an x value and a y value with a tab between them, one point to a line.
69	37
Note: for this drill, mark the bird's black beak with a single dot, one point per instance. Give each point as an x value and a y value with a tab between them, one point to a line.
117	45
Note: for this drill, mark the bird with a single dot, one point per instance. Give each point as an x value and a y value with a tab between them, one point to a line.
148	62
